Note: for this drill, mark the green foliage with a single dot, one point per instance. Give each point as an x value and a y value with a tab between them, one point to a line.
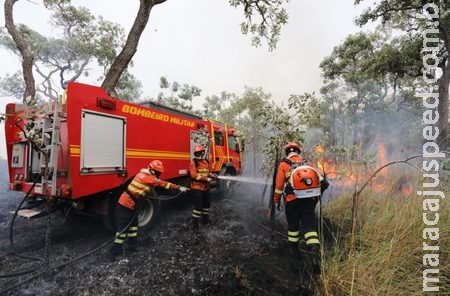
264	19
84	40
220	107
12	85
175	96
128	88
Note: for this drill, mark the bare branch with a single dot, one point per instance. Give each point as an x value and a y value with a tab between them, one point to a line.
79	72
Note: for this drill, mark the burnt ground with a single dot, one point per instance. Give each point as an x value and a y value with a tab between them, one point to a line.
237	254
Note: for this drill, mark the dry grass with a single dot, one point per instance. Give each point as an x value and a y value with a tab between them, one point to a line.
386	258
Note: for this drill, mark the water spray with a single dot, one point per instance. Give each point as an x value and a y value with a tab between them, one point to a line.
244	179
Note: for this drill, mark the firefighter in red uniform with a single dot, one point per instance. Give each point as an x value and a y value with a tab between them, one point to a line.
142	183
299	209
199	170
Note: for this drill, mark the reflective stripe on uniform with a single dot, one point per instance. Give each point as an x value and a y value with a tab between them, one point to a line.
167	186
288	175
203	170
138	188
310	234
119	241
294	236
198	178
313	241
133	228
278	191
196	214
132	234
206	211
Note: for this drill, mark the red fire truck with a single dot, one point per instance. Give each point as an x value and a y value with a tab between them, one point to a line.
96	144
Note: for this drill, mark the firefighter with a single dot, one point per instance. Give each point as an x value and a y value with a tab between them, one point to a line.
142	183
201	177
298	209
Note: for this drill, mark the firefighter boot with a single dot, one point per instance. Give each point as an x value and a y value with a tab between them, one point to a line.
196	224
116	251
132	245
294	251
205	219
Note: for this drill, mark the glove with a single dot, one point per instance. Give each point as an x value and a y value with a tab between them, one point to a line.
208	179
183	189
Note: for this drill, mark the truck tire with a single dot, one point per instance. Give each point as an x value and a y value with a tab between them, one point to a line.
148	213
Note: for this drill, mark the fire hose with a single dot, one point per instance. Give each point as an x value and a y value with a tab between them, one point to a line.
103	245
11	239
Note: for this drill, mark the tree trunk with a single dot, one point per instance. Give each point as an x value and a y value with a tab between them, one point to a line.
27	56
123	59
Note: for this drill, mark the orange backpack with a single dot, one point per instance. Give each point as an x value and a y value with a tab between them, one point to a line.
304	180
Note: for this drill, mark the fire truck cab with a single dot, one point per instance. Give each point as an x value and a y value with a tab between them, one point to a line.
90	145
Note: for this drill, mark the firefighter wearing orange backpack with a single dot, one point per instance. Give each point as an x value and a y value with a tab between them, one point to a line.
302	186
201	177
127	223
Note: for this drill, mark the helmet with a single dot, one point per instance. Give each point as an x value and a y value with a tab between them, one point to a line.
292	146
199	150
157	166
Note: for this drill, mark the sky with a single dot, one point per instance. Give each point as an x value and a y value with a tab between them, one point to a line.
199	42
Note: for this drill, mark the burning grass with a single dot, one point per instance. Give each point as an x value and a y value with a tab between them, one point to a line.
386	257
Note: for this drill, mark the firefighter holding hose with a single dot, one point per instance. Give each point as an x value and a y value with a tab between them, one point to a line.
201	177
127	223
302	186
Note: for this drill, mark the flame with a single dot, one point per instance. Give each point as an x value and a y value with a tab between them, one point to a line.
319	149
381	179
405	186
347	176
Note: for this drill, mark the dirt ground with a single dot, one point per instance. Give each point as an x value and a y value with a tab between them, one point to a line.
237	254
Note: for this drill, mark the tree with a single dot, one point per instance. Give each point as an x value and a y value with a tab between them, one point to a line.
85	40
269	15
220	107
407	16
377	74
177	96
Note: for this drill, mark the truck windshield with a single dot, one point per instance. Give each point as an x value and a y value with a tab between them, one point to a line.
232	143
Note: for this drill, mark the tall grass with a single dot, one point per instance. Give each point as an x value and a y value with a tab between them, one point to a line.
386	255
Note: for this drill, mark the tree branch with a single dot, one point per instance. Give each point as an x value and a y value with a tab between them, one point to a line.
78	73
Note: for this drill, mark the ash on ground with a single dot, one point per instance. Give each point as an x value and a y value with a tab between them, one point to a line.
240	253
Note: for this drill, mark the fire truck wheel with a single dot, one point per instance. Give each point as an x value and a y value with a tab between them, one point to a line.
149	213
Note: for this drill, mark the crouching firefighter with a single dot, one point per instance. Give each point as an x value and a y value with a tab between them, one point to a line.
201	177
302	186
127	222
